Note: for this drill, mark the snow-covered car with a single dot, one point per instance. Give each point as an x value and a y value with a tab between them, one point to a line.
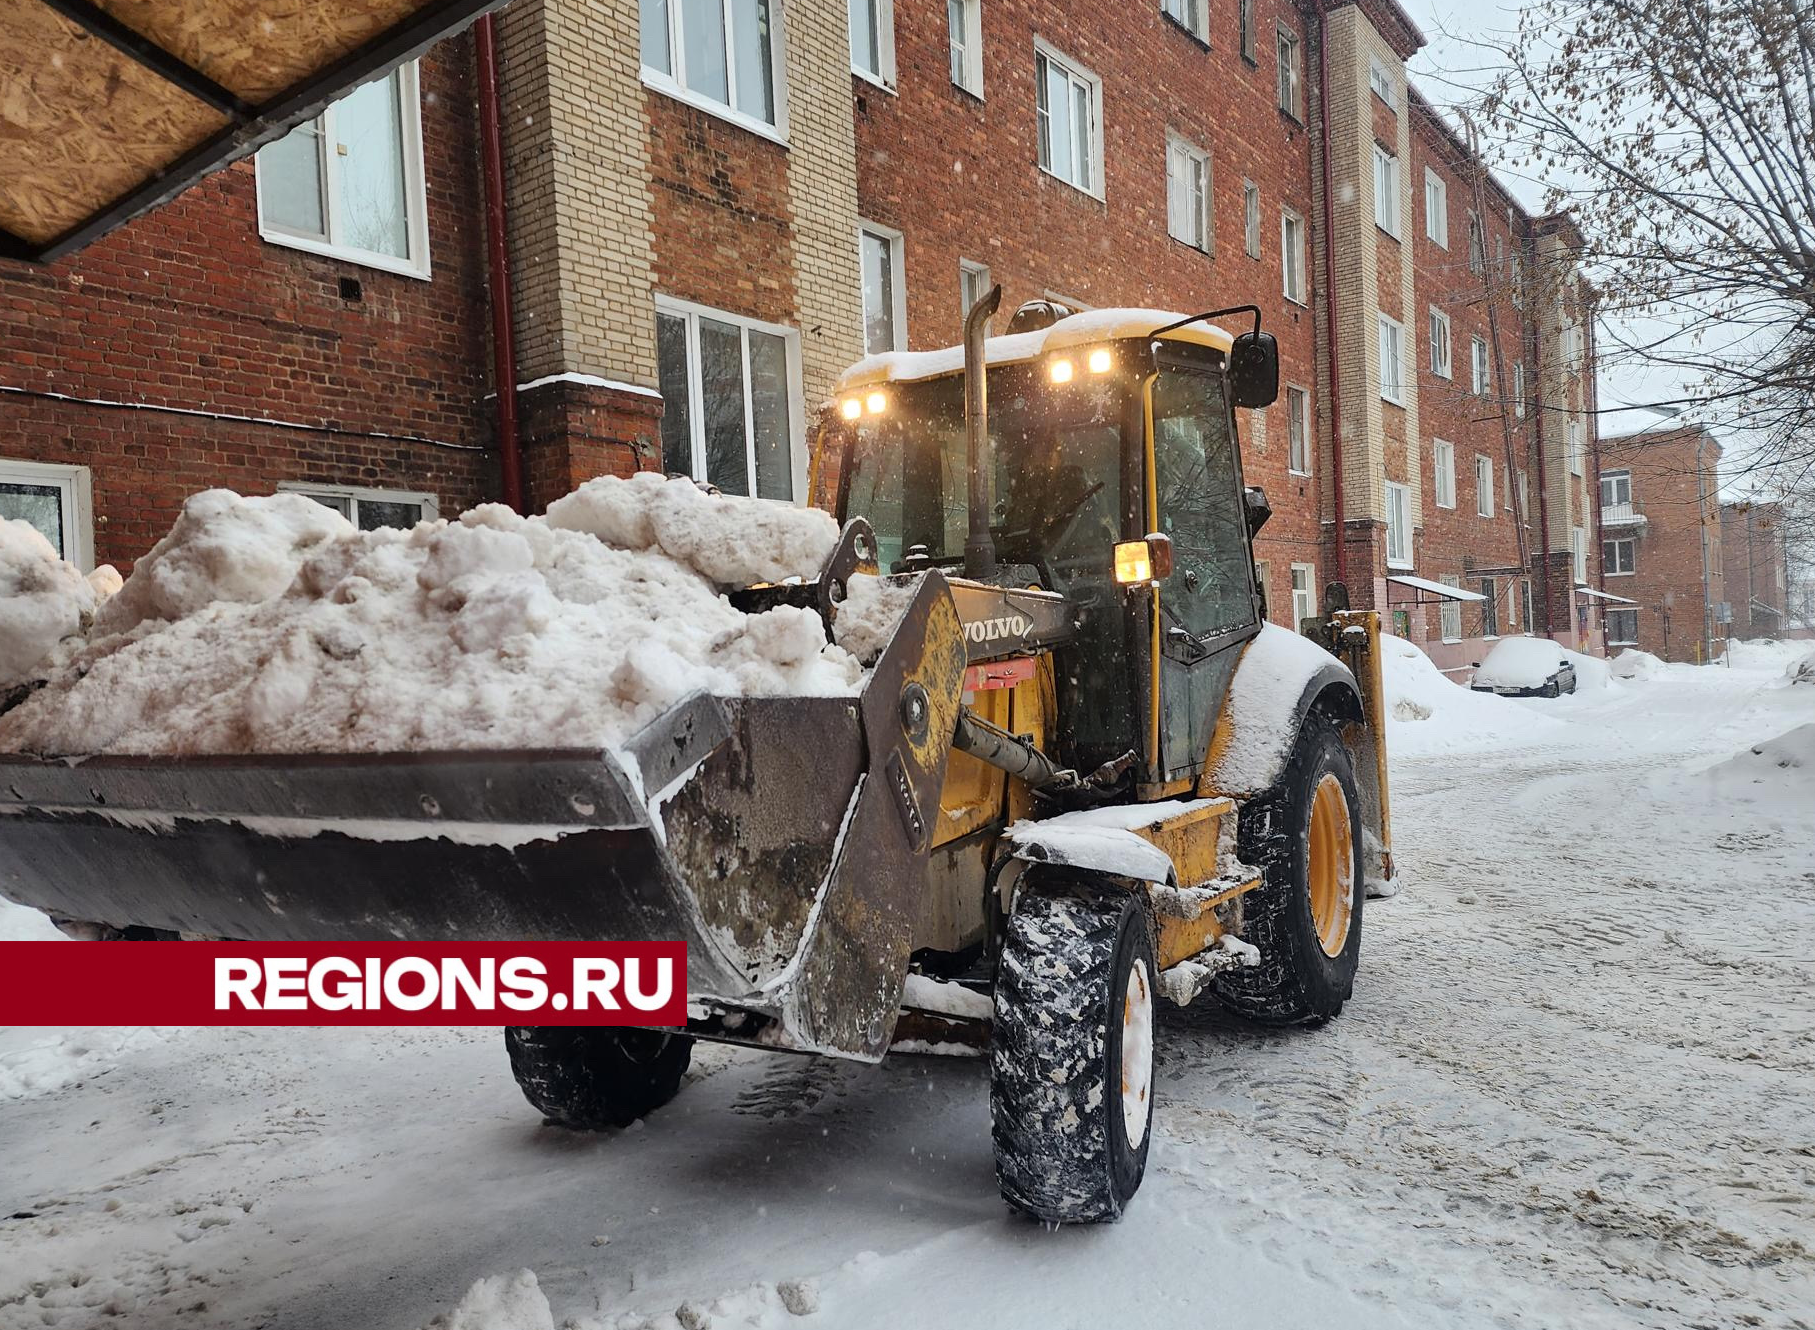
1525	667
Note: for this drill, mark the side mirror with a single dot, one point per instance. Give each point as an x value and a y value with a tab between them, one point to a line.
1254	369
1256	508
1146	560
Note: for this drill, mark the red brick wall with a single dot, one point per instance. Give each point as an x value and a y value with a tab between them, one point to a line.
189	308
960	178
1667	576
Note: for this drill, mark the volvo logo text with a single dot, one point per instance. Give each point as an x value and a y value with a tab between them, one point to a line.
992	630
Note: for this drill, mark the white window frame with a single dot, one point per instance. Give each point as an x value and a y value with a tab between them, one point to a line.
975	275
1307	608
1622	611
971	64
75	501
1573	447
1477	243
1292	257
1384	85
1046	53
1193	21
1443	472
430	505
1289	73
1244	19
1449	612
1479	371
1524	511
1490	607
1182	151
884	11
1439	335
1573	344
1484	485
1400	553
1612	480
1251	219
1386	190
897	279
1578	552
692	313
415	190
670	85
1392	388
1298	430
1436	209
1631	560
1519	389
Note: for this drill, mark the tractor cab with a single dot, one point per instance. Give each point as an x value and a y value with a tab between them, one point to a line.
1112	477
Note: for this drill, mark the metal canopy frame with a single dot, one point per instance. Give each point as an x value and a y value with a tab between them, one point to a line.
249	127
1434	596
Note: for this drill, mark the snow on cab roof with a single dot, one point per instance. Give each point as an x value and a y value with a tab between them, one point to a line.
1094	325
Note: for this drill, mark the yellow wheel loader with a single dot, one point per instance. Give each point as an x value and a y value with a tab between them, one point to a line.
1082	775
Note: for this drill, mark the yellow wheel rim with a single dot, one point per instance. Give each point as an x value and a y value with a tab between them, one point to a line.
1330	866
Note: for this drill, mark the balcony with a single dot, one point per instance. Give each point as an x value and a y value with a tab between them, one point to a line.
1623	514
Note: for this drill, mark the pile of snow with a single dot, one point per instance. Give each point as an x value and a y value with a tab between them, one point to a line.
1780	770
1526	662
43	601
1635	664
66	1058
1427	711
1801	671
273	625
1764	653
502	1302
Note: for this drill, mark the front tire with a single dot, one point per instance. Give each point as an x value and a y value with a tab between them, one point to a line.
1071	1055
1305	836
590	1078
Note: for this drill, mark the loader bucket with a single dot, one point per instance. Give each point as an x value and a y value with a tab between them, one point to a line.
781	838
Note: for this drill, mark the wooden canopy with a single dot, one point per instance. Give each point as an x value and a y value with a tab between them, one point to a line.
110	107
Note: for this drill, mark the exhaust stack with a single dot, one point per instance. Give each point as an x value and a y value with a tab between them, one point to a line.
979	547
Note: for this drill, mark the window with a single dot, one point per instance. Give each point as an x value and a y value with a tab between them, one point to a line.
872	38
720	55
1449	612
1617	556
1398	525
1286	45
1436	208
1477	245
1392	361
1524	513
1616	489
1380	79
1572	345
1622	626
1518	281
349	183
1439	343
1386	191
1304	593
1527	609
1251	218
1244	14
1199	506
973	284
57	500
1070	121
1519	390
1187	193
1188	14
1578	552
964	22
1490	608
1573	447
1298	430
1477	359
370	509
1484	486
731	400
884	290
1292	254
1443	454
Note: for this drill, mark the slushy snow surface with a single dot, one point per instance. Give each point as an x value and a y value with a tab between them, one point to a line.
1571	1090
43	601
273	625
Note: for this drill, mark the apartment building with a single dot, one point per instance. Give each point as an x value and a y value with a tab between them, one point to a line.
1662	547
1755	568
710	210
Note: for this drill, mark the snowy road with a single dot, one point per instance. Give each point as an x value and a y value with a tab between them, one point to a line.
1576	1088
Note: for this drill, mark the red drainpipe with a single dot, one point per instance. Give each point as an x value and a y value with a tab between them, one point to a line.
1329	295
504	342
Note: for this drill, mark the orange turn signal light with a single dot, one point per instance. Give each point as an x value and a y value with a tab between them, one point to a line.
1146	560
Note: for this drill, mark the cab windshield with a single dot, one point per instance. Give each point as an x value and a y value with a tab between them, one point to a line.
1056	512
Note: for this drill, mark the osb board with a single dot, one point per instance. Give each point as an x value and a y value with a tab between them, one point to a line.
260	48
80	123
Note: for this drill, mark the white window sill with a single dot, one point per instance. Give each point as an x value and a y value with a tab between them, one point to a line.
1294	471
1300	301
1450	641
1632	573
1488	517
1404	564
364	258
656	81
1393	401
1449	506
874	80
967	90
1096	194
1443	374
1392	234
1190	244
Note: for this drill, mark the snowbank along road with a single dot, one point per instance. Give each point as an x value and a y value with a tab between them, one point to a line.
1574	1089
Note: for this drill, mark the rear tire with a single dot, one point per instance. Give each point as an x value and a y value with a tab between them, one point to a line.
1071	1055
590	1078
1308	952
